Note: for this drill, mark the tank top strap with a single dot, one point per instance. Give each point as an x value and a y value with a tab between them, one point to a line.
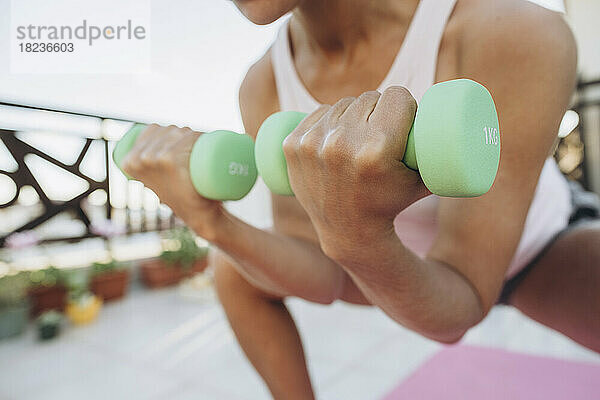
416	62
292	93
414	66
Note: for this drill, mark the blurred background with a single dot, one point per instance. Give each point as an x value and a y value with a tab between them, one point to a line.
105	294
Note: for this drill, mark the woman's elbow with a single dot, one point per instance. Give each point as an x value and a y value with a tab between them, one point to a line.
452	332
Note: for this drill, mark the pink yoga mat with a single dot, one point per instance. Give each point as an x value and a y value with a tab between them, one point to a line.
465	373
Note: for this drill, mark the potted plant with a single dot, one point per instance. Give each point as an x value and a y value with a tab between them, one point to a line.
14	308
48	324
109	280
181	258
46	291
83	306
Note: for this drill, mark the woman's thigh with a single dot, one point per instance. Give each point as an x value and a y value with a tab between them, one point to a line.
562	291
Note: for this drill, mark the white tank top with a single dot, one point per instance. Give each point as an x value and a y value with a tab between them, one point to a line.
414	68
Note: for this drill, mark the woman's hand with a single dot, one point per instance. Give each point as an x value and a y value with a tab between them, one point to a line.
345	167
160	159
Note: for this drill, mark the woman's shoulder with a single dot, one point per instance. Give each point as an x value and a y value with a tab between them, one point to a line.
258	94
497	39
526	12
510	26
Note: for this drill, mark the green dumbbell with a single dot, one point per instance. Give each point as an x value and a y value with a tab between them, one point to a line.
454	142
221	162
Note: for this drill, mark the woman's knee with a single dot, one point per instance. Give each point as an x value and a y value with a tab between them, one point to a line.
227	278
230	282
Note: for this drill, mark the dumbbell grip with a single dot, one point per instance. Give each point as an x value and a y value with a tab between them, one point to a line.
221	162
410	157
124	146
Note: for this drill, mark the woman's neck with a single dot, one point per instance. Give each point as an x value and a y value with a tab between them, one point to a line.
334	27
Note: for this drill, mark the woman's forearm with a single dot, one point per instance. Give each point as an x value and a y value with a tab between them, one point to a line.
292	266
426	296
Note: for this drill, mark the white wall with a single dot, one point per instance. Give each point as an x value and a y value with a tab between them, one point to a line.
584	18
201	50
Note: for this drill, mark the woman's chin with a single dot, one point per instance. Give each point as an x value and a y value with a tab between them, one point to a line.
263	12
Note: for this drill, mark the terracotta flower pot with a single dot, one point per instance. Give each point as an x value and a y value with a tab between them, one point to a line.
156	273
110	285
45	298
198	267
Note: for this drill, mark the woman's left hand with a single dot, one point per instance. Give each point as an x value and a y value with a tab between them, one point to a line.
345	167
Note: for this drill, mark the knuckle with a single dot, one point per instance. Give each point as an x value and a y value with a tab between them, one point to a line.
130	166
164	161
289	146
173	130
145	160
397	91
345	101
332	117
152	131
323	108
368	97
313	118
308	146
340	104
333	150
403	97
411	104
369	163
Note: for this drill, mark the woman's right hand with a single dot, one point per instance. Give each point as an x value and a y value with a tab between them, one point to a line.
160	160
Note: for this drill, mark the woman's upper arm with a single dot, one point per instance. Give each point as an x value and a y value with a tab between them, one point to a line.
527	59
258	95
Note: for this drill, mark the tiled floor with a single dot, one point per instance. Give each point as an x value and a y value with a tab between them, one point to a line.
160	345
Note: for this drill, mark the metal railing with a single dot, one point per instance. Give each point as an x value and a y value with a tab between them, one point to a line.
585	141
77	207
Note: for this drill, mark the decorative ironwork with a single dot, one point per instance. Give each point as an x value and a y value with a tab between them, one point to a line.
24	176
134	220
